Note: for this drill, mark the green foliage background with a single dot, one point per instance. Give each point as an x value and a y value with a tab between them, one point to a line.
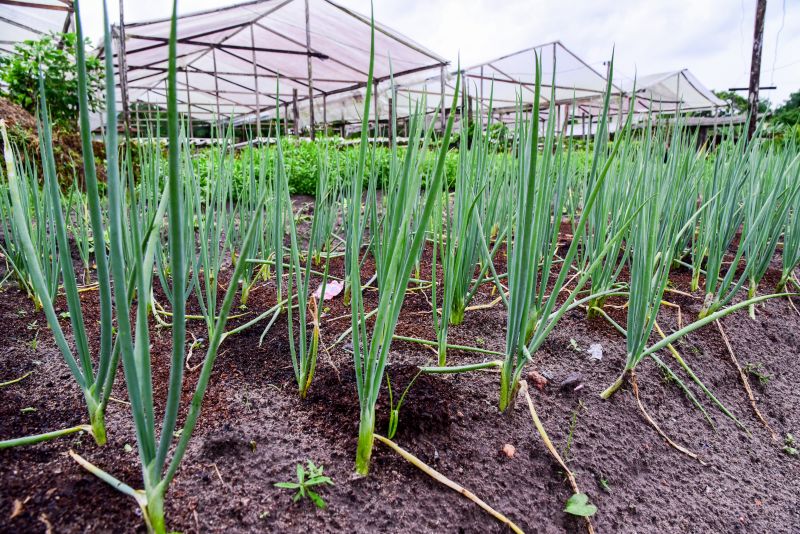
54	54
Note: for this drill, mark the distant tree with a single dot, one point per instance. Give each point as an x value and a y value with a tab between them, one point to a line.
738	103
54	54
789	112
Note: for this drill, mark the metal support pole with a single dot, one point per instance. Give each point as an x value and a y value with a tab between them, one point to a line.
295	113
325	114
255	79
755	68
442	76
216	87
188	101
377	117
310	77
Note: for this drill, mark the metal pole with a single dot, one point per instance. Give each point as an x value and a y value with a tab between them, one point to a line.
443	106
216	86
755	68
310	77
377	117
295	113
325	114
123	69
188	101
255	78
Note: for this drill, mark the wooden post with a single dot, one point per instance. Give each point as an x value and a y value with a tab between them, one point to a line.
255	79
755	68
310	77
295	113
122	65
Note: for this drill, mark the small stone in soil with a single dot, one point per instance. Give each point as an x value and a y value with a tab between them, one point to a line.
509	450
571	381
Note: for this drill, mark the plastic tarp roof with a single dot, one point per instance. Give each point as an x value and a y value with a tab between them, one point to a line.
260	55
504	80
670	91
22	20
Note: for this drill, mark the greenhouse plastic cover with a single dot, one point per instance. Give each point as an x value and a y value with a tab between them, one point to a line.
500	83
267	37
31	19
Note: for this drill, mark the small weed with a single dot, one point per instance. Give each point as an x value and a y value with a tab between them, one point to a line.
757	370
790	446
573	423
306	479
603	482
574	344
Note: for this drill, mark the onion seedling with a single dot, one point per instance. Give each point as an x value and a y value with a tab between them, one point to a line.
400	246
540	197
159	458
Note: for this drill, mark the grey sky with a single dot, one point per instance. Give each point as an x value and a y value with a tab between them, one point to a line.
712	38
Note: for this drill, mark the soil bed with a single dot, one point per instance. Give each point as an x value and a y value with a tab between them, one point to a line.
254	430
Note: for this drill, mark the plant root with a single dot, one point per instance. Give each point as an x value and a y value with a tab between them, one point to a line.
745	382
652	423
433	473
523	389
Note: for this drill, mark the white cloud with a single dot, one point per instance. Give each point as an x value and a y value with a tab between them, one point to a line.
712	38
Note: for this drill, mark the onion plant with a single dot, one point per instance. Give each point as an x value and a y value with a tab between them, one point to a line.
790	256
540	192
36	205
160	449
460	238
95	381
767	186
400	245
661	188
738	166
610	211
304	352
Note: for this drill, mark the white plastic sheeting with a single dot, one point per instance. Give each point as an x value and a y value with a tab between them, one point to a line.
668	92
22	20
251	57
501	83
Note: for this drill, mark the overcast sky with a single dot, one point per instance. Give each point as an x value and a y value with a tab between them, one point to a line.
712	38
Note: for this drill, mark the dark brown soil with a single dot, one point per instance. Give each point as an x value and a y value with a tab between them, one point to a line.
254	430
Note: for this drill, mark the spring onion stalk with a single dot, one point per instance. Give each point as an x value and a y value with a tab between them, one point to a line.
612	208
95	381
461	241
766	185
304	352
400	246
660	188
741	166
37	205
160	456
790	256
540	197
